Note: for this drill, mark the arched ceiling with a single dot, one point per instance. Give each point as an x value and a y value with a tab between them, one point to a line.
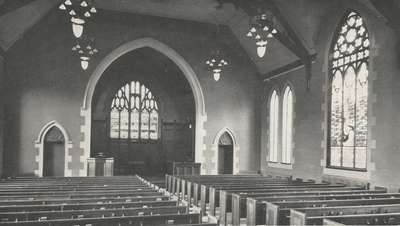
302	16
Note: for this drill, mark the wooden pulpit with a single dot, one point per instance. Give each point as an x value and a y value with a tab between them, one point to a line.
100	166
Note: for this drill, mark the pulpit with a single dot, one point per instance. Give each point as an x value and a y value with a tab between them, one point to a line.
100	166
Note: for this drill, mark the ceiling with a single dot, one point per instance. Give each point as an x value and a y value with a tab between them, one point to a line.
302	16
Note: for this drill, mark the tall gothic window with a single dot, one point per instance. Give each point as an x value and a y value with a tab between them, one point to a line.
287	125
134	113
273	126
348	120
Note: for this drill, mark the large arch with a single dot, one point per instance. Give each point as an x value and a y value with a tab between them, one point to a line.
39	144
86	109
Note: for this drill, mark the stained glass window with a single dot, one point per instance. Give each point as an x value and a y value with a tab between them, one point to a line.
273	126
287	125
134	113
348	119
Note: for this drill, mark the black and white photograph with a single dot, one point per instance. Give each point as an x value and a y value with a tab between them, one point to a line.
199	112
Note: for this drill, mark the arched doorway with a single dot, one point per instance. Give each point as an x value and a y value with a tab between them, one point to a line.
52	137
143	111
54	153
225	154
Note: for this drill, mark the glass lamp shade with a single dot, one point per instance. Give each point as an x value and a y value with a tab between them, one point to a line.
217	75
77	26
261	50
77	29
84	64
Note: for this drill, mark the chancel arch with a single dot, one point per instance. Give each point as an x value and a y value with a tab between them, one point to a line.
142	114
184	67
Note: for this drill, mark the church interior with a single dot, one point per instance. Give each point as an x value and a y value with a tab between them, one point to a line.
199	112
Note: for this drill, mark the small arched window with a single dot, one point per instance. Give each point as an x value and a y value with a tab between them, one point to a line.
273	126
287	125
134	113
348	118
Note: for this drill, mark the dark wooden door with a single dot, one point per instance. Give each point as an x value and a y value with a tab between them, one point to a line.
225	159
54	157
225	154
54	153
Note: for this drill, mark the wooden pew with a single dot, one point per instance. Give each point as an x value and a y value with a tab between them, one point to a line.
84	200
215	192
210	197
99	201
202	188
196	189
327	222
86	206
169	219
280	216
315	216
74	214
78	192
210	194
73	196
239	208
176	180
364	219
275	212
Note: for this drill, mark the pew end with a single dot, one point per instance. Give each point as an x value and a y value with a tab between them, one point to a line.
271	214
297	217
380	188
327	222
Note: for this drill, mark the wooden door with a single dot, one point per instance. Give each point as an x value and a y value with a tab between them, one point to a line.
225	154
54	154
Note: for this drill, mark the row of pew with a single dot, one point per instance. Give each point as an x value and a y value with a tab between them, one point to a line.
90	201
267	200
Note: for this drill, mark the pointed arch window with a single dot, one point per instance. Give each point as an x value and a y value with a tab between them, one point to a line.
348	118
287	125
273	126
134	113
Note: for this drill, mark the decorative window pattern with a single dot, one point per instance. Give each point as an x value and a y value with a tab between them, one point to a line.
134	113
348	120
273	126
287	125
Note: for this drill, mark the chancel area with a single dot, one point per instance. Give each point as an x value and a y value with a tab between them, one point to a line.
199	112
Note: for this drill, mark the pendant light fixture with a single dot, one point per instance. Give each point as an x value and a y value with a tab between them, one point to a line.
79	11
262	28
85	48
216	60
216	63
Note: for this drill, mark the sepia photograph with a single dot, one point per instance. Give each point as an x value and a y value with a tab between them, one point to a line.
199	112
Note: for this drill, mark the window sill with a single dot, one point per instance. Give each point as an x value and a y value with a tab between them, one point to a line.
362	175
280	165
